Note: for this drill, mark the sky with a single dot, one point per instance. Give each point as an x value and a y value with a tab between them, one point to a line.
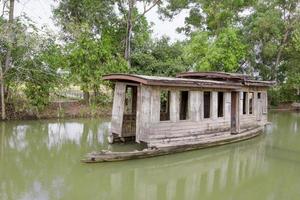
40	12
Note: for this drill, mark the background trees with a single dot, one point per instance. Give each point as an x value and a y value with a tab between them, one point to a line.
260	38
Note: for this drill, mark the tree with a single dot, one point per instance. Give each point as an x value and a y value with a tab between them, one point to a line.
211	16
89	58
268	30
226	52
132	18
159	57
7	65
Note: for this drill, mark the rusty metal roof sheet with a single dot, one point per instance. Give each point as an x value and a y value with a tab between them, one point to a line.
187	82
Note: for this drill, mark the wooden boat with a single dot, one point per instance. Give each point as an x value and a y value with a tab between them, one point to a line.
192	111
108	156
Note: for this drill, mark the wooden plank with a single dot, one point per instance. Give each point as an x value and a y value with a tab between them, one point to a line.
265	102
227	109
118	108
214	105
155	105
174	106
241	98
144	112
194	105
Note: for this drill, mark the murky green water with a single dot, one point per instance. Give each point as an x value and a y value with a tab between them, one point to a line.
41	160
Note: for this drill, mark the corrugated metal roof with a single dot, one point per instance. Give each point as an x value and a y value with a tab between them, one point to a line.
188	82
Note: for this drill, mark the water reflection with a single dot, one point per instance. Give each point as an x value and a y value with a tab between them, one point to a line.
40	160
192	175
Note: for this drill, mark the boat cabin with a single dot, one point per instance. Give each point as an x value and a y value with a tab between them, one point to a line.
193	106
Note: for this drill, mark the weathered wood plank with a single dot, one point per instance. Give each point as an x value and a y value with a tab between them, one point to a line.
227	109
174	106
118	108
194	105
155	105
214	105
144	114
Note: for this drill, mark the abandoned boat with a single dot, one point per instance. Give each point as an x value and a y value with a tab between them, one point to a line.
192	111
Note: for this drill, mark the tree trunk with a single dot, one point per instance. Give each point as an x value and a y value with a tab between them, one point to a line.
127	53
10	35
8	56
86	97
3	113
278	57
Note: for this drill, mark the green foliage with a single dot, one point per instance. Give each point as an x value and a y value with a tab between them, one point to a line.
35	58
225	52
38	95
260	38
90	58
159	58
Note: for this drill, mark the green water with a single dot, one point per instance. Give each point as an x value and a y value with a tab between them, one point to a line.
41	160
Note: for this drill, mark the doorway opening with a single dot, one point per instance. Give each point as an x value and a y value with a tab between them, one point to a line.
130	108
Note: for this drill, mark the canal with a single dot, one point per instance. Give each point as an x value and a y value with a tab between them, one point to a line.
41	160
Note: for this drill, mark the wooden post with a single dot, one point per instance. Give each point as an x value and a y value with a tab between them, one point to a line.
235	112
118	108
241	103
143	113
174	106
201	106
194	105
214	105
155	105
254	108
227	105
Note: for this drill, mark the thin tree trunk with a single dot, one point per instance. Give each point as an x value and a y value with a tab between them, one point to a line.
127	53
10	34
3	114
130	24
278	57
86	97
8	56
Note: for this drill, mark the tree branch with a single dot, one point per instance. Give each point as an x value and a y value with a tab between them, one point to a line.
3	8
147	10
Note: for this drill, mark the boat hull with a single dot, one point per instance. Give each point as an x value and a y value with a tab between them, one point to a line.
107	156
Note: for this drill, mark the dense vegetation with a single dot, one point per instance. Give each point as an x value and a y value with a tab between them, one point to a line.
260	38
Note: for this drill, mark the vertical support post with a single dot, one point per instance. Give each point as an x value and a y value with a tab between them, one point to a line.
118	109
143	112
235	112
155	105
227	109
194	105
201	105
214	105
174	106
254	108
241	98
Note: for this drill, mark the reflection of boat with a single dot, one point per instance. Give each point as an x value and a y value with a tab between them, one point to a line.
224	172
194	110
105	156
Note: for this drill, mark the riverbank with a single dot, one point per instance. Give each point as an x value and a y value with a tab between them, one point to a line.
63	109
285	106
